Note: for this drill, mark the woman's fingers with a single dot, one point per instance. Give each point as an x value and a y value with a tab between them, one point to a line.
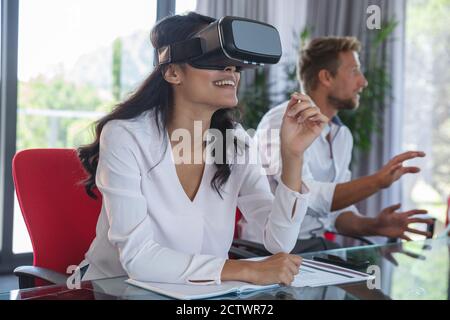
297	99
296	259
313	114
309	112
290	265
286	279
297	108
293	268
302	108
303	111
320	118
302	97
323	119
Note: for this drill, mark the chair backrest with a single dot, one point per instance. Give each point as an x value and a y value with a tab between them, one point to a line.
59	215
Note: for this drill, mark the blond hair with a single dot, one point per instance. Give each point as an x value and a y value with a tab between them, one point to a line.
322	53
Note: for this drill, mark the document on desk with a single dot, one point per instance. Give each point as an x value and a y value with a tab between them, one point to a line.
311	274
315	274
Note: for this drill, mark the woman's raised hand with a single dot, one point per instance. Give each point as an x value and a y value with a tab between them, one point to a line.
302	124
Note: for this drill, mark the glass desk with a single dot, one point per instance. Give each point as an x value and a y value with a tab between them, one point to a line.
412	270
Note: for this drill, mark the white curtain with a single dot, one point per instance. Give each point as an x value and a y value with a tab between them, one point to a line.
348	18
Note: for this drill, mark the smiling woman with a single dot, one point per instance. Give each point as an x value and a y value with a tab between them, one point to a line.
168	221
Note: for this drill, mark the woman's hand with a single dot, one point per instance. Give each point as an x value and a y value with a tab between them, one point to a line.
280	268
302	124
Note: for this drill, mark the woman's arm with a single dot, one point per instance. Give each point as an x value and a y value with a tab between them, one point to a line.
276	222
279	268
302	124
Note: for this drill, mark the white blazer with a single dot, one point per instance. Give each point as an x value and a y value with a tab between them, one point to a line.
150	230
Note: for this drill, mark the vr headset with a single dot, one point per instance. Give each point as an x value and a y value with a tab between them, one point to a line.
230	41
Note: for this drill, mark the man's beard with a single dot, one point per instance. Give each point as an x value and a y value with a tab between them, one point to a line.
342	104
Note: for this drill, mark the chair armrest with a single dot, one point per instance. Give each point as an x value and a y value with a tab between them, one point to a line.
27	275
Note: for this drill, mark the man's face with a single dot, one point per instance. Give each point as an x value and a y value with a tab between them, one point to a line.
348	83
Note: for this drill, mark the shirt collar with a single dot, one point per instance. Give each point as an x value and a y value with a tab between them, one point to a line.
334	121
337	121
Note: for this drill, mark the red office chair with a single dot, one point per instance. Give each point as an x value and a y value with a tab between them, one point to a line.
59	215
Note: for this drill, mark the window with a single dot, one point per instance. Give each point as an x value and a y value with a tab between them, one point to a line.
427	106
76	60
185	5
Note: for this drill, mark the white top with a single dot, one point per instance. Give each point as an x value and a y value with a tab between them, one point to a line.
324	167
150	230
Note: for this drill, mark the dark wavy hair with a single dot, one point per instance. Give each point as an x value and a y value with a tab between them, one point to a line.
156	94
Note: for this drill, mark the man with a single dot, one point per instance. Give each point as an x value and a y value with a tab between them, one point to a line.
330	73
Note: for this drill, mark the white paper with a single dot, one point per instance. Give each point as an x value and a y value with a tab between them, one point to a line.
316	274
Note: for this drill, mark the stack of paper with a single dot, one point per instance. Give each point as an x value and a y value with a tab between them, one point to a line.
316	274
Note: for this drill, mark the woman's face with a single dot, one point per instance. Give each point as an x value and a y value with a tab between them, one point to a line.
215	88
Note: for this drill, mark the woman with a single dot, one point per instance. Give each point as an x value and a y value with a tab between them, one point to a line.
166	220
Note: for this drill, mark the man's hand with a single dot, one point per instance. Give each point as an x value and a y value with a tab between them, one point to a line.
394	224
394	169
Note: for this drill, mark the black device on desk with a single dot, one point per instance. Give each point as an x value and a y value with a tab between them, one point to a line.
346	263
430	228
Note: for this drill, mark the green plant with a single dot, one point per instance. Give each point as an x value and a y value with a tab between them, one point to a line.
367	118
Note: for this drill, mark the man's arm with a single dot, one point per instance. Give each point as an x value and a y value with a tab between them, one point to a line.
352	224
351	192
